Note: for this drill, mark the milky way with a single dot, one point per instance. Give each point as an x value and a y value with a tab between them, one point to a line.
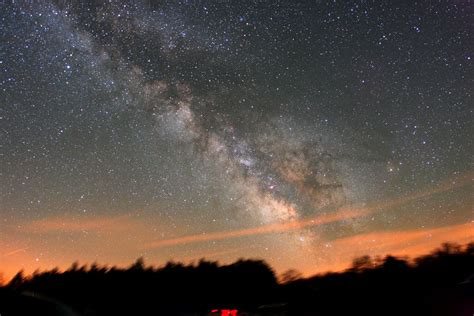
304	133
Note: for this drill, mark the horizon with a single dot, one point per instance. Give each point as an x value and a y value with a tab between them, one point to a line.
376	261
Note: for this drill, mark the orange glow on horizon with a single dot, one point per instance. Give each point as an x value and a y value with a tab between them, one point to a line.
107	239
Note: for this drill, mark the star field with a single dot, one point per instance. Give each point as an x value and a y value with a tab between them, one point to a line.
303	133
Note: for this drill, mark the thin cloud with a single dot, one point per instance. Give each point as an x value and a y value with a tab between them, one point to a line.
67	225
341	215
417	240
407	243
267	229
16	251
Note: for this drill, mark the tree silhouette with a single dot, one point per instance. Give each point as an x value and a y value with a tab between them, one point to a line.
362	263
17	281
290	275
440	283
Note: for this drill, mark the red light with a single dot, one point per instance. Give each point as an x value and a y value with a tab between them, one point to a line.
226	312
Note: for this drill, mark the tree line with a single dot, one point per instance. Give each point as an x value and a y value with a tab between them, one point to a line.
439	283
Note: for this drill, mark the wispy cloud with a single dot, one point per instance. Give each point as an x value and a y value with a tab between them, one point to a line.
68	225
340	215
14	252
338	254
267	229
444	186
409	241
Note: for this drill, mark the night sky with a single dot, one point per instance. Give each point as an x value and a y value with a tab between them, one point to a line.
302	133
